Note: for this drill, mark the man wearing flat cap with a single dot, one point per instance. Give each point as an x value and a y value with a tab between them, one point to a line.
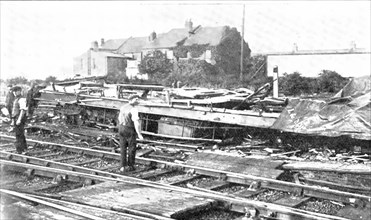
129	129
19	120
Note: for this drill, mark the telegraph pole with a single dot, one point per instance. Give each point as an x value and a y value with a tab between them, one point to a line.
242	36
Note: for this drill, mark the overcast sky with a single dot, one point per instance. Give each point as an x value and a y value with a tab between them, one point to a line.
40	38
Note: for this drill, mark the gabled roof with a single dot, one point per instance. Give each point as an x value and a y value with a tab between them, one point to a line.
169	39
133	45
113	44
211	36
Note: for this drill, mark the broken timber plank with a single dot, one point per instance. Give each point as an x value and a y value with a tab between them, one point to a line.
351	212
139	213
143	153
192	147
291	201
246	193
181	138
214	185
63	208
154	173
86	162
142	198
241	165
330	167
238	160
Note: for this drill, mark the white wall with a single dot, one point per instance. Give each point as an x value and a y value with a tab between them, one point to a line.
347	65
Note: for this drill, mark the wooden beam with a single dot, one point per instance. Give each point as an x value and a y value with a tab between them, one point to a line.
252	120
53	205
181	138
329	167
139	213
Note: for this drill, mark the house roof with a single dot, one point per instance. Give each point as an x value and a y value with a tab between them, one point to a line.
113	44
202	35
133	45
169	39
109	54
207	35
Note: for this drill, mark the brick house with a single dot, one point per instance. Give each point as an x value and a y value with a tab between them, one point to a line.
99	61
216	45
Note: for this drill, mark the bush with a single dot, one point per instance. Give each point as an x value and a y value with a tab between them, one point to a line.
19	80
330	81
156	65
117	77
193	73
294	84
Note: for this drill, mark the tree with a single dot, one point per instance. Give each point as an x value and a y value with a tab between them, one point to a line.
330	81
194	73
294	84
257	70
50	79
156	65
36	81
20	80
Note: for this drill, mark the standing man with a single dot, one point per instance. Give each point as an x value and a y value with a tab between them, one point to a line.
19	120
9	101
129	128
33	92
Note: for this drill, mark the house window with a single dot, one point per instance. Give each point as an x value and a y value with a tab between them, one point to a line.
208	54
170	55
94	66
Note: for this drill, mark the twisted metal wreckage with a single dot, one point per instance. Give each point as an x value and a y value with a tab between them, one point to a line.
216	114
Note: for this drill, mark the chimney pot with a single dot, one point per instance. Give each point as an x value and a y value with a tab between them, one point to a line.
152	36
94	45
295	48
189	25
353	45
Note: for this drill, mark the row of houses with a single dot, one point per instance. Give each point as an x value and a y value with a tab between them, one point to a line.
123	55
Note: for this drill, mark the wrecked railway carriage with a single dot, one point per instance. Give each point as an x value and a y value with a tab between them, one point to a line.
216	115
175	113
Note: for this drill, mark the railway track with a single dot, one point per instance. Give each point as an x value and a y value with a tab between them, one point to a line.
233	190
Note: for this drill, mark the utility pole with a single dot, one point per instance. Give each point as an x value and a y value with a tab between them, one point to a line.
242	36
275	81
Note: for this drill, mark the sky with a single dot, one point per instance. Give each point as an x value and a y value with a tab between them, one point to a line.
41	38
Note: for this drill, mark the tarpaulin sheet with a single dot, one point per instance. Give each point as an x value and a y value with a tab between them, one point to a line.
348	113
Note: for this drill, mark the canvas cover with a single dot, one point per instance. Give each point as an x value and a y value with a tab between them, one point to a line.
347	113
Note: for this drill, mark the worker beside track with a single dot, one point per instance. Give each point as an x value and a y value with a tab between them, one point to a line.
19	120
129	129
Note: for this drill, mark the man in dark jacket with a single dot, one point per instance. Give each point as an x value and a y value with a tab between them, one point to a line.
9	101
129	128
33	92
19	120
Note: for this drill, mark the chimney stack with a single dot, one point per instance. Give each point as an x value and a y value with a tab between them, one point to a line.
353	45
94	45
295	48
189	25
101	42
152	36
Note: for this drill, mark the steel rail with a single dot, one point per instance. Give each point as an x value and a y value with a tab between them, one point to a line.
311	191
283	211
